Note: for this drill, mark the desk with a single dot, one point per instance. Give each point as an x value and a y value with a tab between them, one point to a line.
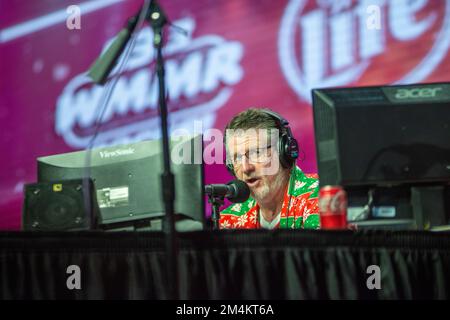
257	264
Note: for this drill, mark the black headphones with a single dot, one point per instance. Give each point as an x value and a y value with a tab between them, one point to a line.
288	149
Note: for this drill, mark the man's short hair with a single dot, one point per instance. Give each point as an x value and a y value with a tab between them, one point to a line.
252	118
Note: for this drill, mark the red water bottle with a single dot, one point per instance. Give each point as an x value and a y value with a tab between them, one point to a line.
333	207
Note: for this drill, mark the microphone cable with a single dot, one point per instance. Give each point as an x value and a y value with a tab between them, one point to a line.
90	200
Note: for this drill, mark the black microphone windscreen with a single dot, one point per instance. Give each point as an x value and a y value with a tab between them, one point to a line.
242	191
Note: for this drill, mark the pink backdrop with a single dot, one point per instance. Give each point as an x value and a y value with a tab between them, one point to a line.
239	53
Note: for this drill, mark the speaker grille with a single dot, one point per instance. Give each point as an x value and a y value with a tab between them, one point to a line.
57	206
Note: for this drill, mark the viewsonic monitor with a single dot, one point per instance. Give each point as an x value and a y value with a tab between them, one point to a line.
388	146
127	180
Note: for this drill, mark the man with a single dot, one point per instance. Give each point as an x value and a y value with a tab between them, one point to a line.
282	196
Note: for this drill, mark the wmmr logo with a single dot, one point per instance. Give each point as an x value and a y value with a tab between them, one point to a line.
201	72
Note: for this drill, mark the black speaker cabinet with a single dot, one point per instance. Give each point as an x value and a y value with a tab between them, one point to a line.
59	206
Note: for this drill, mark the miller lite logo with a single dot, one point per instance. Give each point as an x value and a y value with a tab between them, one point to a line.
200	75
329	43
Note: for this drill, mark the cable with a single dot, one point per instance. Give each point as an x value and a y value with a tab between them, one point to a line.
364	214
105	98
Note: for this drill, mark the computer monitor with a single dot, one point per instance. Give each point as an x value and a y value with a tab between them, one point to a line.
389	147
127	181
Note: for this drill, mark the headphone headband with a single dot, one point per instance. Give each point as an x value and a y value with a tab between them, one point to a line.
282	121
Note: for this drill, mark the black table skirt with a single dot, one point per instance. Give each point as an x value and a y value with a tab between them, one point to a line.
282	264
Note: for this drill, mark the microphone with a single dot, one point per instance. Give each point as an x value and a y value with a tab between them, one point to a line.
235	191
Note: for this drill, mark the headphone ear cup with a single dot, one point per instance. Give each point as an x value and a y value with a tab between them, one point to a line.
288	150
283	152
293	148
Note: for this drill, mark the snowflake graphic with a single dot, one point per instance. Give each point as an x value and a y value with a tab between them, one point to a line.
292	204
225	224
242	220
306	213
299	184
302	203
314	185
237	207
253	218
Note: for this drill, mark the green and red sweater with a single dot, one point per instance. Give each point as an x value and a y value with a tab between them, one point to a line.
299	211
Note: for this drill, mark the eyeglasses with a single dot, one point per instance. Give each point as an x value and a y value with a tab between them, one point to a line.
258	155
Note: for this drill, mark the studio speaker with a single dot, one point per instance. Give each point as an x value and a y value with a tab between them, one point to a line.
60	206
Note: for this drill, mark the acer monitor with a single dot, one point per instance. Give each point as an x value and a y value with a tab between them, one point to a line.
389	147
127	182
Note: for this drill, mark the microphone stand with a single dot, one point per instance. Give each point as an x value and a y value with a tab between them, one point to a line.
158	20
216	202
99	72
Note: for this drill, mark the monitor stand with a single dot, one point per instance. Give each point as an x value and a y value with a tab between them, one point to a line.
428	206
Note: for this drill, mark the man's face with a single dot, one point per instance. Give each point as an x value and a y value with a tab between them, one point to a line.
254	156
